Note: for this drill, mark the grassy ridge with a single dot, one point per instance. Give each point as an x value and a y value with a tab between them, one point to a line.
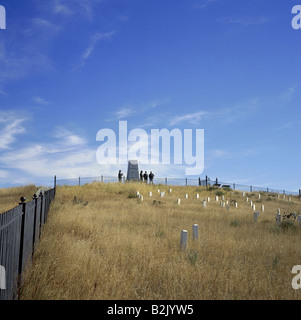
10	197
101	242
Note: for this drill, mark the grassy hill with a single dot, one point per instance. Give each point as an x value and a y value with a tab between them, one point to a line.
10	197
102	242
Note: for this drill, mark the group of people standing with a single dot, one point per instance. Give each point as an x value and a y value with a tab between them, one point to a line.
145	176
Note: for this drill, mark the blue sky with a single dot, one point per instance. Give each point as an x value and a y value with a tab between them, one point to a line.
69	68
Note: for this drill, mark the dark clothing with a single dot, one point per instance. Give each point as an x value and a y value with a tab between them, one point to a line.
151	177
141	176
145	176
120	174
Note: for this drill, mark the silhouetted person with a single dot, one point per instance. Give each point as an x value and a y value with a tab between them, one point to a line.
141	175
151	177
145	177
120	175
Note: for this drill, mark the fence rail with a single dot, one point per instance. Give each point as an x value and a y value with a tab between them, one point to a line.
20	231
178	182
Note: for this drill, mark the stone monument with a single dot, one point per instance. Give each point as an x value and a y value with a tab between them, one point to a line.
133	171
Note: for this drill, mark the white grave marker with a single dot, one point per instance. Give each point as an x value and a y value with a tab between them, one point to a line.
195	231
183	242
256	214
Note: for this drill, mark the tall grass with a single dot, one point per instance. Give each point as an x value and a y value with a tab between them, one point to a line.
10	197
100	242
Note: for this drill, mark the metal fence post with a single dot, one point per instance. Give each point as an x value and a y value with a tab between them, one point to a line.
20	264
35	198
54	184
41	213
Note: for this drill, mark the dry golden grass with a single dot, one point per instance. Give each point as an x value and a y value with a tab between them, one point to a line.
10	197
106	244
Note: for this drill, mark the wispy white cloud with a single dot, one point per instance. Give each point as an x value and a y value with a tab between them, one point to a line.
11	125
60	8
204	4
43	23
70	8
236	111
68	138
68	155
93	43
192	118
246	21
39	100
288	95
136	109
123	113
218	153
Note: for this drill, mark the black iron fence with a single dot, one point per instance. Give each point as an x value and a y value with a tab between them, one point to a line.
20	231
179	182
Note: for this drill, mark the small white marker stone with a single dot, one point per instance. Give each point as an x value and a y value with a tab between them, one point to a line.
183	239
195	231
